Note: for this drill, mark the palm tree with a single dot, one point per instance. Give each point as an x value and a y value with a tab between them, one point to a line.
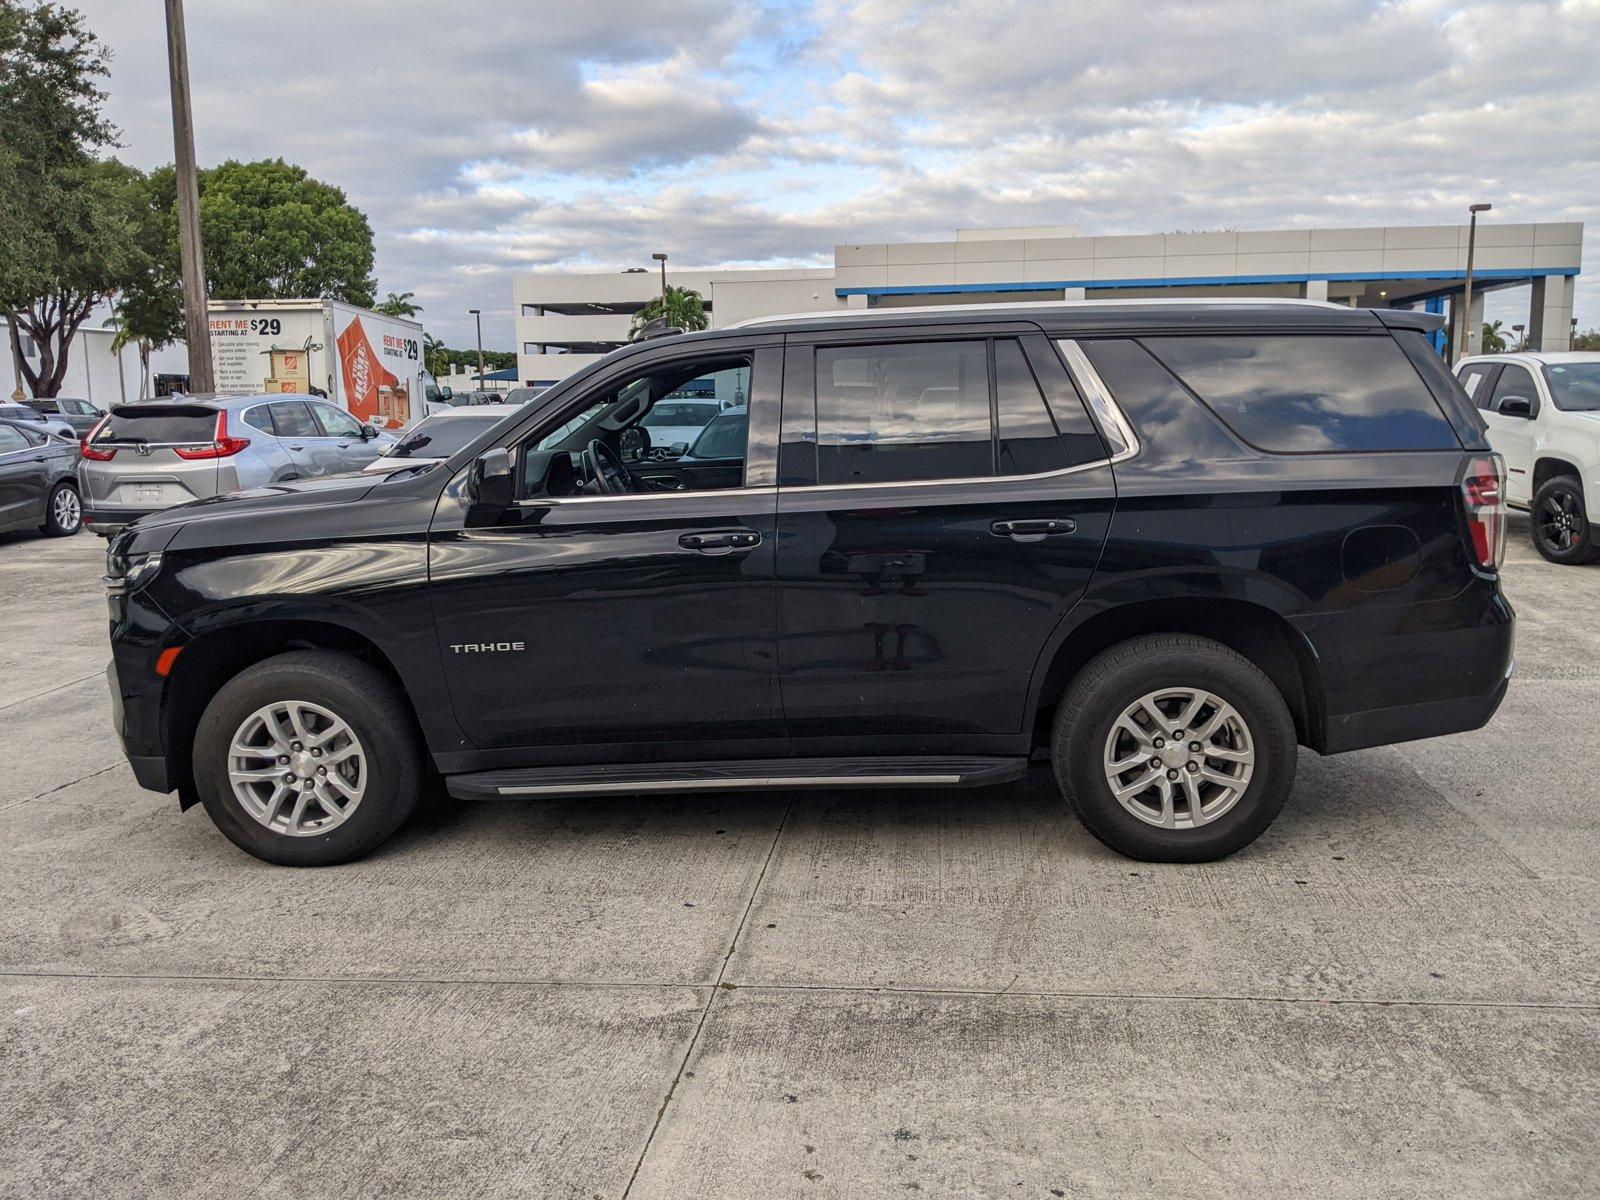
124	338
683	307
1494	339
398	304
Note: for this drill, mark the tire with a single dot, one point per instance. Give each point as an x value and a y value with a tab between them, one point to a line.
1252	722
63	511
1559	524
383	773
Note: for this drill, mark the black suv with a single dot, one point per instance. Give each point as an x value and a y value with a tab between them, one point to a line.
1156	545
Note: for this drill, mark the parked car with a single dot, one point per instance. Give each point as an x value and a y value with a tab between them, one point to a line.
46	423
1543	414
81	415
1158	545
673	424
38	487
143	458
436	437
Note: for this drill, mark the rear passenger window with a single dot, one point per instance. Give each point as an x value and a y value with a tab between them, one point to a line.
259	418
888	413
1299	394
1472	383
1030	443
293	419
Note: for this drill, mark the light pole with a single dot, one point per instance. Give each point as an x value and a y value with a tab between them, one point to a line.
1472	243
197	320
662	259
478	317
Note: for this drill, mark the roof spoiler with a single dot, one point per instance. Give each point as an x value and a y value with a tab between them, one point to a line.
1405	318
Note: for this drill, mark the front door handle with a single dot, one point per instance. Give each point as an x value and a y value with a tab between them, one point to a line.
720	541
1034	531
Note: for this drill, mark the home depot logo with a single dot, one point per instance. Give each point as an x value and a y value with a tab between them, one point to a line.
363	373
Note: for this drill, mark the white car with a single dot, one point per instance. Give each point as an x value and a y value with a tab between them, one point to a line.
1543	413
674	423
437	437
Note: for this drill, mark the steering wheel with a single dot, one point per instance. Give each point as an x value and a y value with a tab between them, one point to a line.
603	465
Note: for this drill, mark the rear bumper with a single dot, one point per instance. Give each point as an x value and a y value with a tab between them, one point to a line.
108	521
1409	722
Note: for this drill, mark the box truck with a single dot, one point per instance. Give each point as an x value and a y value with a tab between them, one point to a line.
366	362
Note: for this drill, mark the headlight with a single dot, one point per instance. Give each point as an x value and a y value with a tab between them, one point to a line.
140	570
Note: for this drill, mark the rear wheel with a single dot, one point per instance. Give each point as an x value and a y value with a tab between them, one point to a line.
1174	748
63	511
307	759
1561	529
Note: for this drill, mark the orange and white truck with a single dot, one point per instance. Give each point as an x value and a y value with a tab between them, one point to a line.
368	363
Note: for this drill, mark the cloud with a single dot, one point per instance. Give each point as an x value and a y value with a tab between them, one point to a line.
499	136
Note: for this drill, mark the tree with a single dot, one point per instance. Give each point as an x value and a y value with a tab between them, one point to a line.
1589	339
398	304
148	311
435	356
273	232
684	307
66	219
1494	339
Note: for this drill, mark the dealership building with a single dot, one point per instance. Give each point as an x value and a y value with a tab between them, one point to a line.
564	321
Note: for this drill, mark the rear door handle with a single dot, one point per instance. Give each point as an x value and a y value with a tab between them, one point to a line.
1035	530
720	541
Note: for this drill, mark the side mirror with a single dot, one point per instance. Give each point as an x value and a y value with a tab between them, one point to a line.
679	449
1516	406
489	486
368	433
446	393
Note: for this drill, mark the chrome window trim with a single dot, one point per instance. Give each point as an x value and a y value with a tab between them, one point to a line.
954	481
1108	416
698	493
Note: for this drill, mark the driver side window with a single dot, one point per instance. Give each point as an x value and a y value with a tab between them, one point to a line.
679	426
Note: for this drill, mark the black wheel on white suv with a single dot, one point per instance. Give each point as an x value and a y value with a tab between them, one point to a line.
1561	529
63	511
1174	748
307	759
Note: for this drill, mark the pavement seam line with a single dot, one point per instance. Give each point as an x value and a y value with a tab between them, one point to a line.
59	787
716	986
50	690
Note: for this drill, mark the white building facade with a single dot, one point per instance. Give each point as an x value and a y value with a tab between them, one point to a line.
565	321
94	373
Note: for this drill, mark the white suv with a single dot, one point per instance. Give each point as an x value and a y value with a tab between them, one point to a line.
1543	413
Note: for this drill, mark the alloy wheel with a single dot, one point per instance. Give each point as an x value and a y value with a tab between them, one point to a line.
1561	521
67	509
297	768
1179	758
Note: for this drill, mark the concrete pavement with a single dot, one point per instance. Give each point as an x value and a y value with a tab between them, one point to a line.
1395	992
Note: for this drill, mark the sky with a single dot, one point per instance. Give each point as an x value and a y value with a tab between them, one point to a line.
488	137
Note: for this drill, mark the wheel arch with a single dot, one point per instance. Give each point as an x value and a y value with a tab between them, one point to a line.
1546	466
1252	629
208	660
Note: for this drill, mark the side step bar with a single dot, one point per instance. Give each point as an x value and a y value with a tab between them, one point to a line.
735	776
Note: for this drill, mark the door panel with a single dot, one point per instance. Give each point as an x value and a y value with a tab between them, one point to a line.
902	609
1513	437
598	621
299	434
22	479
921	608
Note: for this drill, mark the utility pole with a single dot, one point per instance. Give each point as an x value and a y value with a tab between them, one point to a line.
1466	317
197	320
478	317
662	259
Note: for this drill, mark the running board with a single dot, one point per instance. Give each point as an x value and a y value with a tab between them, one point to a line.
735	776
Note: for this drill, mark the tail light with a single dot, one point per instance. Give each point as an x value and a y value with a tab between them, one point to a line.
89	452
1483	489
220	446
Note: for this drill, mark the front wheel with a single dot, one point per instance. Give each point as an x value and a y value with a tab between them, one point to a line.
1174	748
307	759
1561	529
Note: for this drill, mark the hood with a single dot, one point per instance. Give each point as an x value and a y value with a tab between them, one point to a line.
285	497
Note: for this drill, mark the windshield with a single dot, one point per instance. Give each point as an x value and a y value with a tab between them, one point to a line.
1575	387
440	437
